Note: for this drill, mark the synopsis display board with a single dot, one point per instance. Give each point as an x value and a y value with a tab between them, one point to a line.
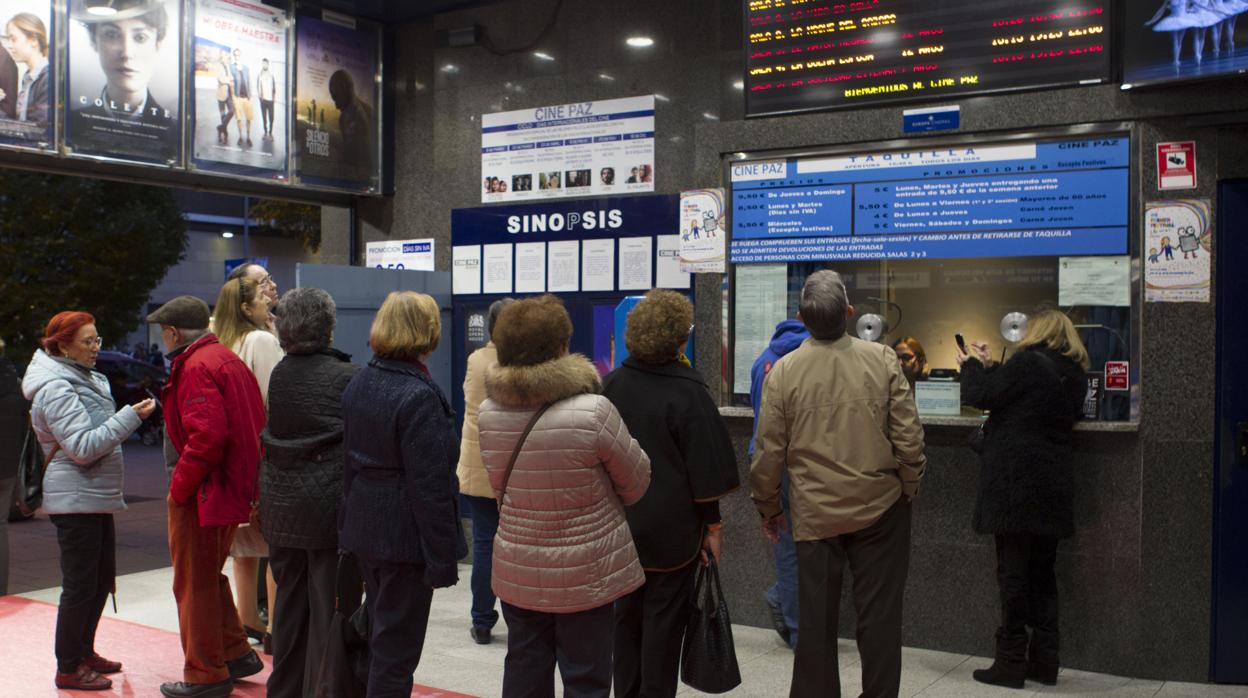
1007	199
1183	40
824	54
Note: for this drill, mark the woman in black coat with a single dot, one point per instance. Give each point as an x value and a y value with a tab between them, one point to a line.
400	516
668	409
1026	485
301	486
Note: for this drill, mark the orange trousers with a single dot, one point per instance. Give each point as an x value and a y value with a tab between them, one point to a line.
207	620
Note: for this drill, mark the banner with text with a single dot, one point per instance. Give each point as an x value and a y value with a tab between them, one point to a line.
580	149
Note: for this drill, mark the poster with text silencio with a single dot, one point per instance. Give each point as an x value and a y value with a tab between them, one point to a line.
239	91
27	73
336	100
124	84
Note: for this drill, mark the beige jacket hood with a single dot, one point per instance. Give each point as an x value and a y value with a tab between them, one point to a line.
563	544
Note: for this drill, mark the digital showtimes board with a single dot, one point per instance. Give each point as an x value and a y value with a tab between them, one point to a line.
804	55
1003	199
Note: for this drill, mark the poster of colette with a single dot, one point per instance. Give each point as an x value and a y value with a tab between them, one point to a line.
123	81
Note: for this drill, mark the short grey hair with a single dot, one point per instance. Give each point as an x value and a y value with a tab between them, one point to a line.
824	305
495	308
306	324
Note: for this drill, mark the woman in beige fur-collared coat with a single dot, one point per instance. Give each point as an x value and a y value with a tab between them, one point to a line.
563	552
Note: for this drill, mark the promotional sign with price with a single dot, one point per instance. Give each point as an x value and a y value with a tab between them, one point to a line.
400	254
1004	199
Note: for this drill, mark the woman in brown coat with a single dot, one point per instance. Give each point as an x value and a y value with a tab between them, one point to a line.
563	553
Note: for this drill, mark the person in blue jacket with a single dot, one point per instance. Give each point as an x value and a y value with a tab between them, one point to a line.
782	596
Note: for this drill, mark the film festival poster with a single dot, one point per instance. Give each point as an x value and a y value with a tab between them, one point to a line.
124	81
336	127
239	95
27	89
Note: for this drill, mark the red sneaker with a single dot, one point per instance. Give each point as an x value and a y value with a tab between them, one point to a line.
101	665
84	679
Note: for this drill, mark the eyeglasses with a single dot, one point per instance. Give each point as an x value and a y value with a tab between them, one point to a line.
96	342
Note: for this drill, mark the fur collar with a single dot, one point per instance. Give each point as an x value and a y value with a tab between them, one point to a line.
533	386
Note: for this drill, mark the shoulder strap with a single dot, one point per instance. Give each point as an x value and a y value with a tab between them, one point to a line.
1051	364
56	446
502	492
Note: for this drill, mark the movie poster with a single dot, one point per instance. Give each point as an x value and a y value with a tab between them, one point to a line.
239	95
123	80
27	89
336	119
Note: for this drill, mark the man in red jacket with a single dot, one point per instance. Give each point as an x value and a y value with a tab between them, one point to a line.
213	417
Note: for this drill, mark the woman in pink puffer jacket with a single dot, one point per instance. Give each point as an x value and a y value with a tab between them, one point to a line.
563	553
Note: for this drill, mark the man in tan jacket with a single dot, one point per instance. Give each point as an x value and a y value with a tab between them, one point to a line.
839	412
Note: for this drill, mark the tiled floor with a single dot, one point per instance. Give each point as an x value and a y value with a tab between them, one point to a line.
453	662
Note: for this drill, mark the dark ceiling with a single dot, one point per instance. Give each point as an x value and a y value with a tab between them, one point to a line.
400	10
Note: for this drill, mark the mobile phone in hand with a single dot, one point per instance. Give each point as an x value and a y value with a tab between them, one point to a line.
961	342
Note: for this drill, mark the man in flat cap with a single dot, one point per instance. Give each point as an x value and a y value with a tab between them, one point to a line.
213	417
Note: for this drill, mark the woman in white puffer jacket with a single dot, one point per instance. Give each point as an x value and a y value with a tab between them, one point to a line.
563	553
80	430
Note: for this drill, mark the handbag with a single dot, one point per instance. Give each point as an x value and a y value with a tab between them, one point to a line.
343	671
28	490
516	453
708	659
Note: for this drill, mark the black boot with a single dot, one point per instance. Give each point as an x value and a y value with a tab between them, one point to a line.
1042	662
1009	669
1003	673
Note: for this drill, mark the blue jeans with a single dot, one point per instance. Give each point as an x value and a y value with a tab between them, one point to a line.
484	525
784	592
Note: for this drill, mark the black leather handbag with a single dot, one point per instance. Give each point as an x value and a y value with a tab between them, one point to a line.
343	671
28	490
708	659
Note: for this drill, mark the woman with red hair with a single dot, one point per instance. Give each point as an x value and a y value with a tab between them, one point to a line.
80	430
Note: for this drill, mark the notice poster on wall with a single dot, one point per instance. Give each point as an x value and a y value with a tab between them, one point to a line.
336	102
762	303
124	81
563	262
466	269
239	91
1178	248
580	149
27	70
995	199
530	267
702	231
400	254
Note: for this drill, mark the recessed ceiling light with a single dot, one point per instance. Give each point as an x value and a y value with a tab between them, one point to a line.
639	41
450	68
709	116
662	98
738	85
226	234
606	77
543	56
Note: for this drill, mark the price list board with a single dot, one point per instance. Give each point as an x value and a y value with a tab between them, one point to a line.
804	55
1014	199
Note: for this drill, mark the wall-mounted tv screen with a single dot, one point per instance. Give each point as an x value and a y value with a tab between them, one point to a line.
804	55
1168	40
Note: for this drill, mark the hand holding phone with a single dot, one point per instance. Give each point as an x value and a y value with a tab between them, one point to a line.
961	342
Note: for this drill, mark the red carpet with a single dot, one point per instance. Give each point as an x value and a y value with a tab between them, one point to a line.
150	656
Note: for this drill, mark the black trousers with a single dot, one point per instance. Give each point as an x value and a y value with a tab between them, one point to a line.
266	115
879	559
649	626
1028	584
579	643
398	602
88	545
302	612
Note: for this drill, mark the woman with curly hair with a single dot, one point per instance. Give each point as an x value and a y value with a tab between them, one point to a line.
563	467
668	409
